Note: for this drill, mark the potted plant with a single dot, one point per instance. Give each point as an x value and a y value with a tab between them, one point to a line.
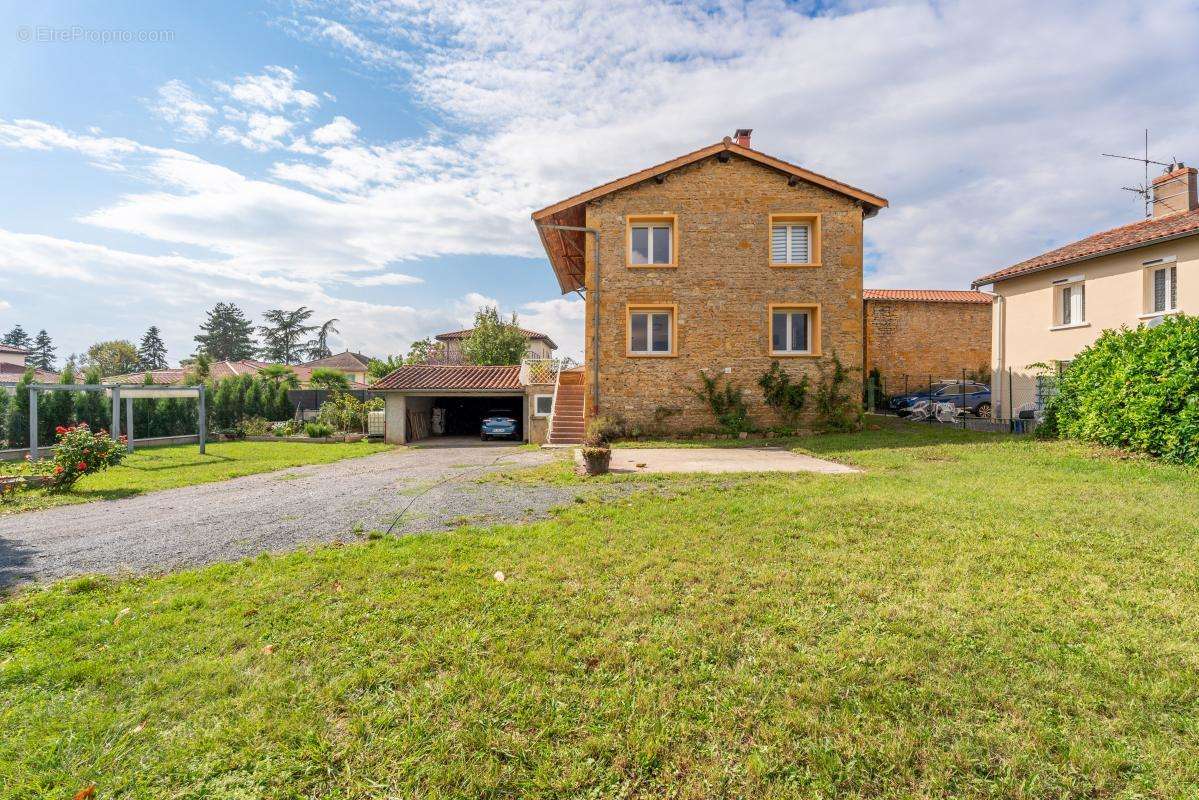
596	451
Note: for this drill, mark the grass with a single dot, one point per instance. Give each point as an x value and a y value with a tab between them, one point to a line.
972	616
154	468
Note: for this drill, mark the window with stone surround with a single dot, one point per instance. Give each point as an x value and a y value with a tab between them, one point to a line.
794	330
794	240
652	241
651	330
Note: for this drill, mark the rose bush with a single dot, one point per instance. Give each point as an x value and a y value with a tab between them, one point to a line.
81	451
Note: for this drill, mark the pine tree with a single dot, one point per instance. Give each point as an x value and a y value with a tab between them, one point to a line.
17	337
227	334
151	352
284	337
42	355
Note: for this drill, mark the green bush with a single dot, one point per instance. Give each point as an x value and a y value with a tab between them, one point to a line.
781	393
725	402
318	430
1136	389
837	410
256	426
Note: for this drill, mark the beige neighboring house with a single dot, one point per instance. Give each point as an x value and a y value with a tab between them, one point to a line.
12	367
1050	307
540	345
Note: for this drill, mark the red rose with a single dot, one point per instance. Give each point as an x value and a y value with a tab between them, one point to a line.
57	469
60	430
82	465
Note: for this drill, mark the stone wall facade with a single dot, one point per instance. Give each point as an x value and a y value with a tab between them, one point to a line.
908	341
721	289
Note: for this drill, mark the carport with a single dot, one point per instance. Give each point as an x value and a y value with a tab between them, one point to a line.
424	401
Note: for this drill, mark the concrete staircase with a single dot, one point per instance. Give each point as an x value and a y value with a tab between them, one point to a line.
566	424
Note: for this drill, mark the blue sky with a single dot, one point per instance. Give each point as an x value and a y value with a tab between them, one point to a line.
378	161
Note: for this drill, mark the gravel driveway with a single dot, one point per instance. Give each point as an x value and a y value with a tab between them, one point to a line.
274	511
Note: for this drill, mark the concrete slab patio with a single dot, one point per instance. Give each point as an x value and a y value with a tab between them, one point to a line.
720	459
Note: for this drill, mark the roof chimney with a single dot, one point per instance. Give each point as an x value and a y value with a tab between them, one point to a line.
741	137
1174	191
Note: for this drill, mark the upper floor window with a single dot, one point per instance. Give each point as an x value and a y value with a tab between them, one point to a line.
651	331
794	330
652	241
1070	302
1165	289
794	240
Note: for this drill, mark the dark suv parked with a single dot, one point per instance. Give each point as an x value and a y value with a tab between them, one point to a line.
974	397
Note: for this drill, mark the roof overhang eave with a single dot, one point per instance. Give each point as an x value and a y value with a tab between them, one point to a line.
993	279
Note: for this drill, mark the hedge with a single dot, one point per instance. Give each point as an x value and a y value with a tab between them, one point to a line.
1135	389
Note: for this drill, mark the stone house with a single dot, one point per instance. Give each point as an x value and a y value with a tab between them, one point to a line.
916	335
722	260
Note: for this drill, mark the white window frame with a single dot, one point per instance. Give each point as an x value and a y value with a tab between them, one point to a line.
650	312
1077	286
537	398
791	226
789	350
650	226
1170	293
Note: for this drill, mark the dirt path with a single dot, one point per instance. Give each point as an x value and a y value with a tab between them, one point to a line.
273	511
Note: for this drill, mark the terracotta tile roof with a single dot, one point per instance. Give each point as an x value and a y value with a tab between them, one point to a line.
567	260
452	378
159	377
1126	237
927	295
9	348
455	335
345	361
11	373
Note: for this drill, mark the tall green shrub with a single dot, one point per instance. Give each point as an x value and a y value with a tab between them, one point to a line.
1136	389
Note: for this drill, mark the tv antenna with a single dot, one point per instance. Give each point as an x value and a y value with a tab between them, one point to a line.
1145	190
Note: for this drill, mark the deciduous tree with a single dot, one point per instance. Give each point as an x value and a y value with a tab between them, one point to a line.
493	340
115	357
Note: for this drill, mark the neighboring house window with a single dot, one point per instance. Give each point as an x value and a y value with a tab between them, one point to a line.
543	405
1070	302
1074	304
652	241
651	331
794	240
1165	289
794	330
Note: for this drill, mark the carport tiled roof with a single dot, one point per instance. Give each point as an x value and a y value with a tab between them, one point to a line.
1126	237
452	378
12	348
926	295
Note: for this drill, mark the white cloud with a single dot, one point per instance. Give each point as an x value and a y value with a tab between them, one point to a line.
339	131
386	279
273	90
4	304
179	106
262	131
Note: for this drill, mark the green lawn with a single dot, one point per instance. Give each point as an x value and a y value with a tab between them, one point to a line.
153	468
972	616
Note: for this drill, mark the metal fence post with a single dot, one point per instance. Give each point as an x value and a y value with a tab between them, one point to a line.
1011	403
962	389
33	393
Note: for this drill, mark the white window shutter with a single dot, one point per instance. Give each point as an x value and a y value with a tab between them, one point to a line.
778	244
799	244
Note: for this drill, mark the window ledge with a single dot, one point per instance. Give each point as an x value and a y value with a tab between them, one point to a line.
652	266
1071	326
650	355
782	265
793	355
1152	314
